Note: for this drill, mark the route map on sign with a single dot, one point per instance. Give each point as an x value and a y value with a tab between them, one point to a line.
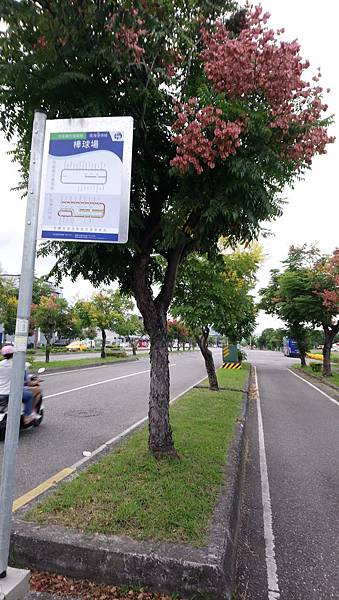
82	189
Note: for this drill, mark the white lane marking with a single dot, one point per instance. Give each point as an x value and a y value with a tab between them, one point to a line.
71	371
129	429
314	387
271	565
82	387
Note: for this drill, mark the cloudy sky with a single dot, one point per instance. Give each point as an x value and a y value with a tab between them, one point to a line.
312	212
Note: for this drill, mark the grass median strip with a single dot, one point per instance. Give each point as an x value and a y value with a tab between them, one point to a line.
334	380
128	492
78	362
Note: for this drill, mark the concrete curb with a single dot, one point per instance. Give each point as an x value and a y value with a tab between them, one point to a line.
205	572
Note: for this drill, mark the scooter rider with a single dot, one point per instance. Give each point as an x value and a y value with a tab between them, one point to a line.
5	384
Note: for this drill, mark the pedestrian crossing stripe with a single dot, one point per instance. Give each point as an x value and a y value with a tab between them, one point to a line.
232	366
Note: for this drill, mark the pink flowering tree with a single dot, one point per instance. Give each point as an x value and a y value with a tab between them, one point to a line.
225	115
306	295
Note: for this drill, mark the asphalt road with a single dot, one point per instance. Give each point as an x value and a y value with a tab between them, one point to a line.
87	407
301	435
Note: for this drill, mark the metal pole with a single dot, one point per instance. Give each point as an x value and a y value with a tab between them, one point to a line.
21	334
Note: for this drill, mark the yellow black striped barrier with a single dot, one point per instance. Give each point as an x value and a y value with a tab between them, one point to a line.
232	366
225	351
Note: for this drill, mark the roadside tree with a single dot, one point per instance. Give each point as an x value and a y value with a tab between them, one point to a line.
107	309
177	331
133	328
53	315
306	295
215	293
224	118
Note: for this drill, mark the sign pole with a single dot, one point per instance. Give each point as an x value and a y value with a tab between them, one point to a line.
21	334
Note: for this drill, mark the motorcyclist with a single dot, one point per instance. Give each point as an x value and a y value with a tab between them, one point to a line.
5	384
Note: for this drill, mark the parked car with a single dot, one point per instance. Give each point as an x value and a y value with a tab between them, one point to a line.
77	347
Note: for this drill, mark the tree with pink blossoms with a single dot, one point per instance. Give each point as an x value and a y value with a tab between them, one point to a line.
225	115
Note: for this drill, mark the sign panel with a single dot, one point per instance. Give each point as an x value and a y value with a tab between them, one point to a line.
86	177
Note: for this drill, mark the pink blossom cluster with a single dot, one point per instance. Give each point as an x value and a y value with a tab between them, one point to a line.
260	67
203	136
259	64
128	37
331	297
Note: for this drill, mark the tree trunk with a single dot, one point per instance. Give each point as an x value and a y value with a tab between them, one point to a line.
36	336
103	344
134	347
208	358
154	312
303	358
329	335
327	371
160	433
47	350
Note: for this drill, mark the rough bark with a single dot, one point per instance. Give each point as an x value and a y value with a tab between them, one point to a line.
303	358
47	349
208	358
103	344
329	334
154	312
134	347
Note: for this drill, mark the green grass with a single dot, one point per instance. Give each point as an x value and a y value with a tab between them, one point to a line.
129	492
334	380
76	362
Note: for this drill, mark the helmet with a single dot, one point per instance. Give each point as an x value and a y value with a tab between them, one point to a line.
7	350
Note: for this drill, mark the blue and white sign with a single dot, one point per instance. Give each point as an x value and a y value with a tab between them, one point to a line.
86	178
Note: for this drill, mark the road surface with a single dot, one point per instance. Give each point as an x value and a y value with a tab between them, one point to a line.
299	559
87	407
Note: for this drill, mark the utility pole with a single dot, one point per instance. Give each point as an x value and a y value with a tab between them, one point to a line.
21	334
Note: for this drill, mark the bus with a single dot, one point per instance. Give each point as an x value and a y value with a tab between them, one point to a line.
290	348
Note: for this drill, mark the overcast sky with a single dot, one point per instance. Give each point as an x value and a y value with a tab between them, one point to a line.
313	209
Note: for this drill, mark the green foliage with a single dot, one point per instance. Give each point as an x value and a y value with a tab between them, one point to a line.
64	56
107	309
316	367
53	315
216	293
271	339
241	355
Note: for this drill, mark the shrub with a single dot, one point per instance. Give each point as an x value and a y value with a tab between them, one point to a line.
316	367
241	356
116	353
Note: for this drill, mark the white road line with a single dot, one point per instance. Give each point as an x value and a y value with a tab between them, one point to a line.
129	429
82	387
71	371
271	565
314	387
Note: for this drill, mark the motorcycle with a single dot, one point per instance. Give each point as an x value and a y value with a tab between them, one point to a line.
34	382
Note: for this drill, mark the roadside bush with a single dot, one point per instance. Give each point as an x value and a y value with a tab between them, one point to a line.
241	356
116	353
316	367
58	349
